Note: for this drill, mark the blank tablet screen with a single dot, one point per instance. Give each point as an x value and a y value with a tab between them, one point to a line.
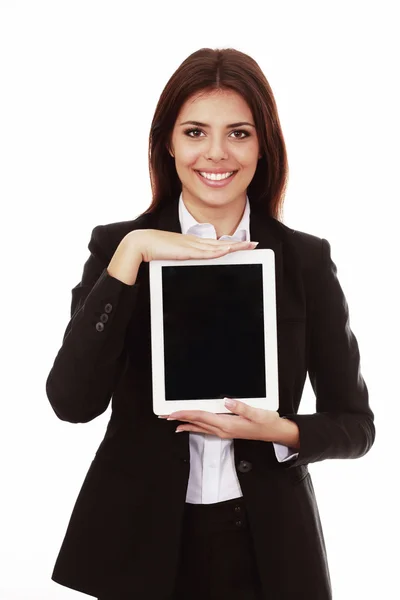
213	325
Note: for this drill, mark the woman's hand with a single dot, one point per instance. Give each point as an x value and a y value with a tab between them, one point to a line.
155	244
144	245
247	422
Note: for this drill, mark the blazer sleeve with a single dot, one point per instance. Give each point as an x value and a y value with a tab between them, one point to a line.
91	358
343	424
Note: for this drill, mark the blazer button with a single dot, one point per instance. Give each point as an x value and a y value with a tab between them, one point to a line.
108	308
245	466
99	326
104	318
238	523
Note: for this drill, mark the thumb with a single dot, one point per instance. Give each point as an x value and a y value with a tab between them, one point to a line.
239	408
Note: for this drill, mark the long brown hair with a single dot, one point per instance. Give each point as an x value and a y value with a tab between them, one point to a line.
206	70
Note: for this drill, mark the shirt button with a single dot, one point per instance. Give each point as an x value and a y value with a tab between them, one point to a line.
99	326
238	523
108	308
237	509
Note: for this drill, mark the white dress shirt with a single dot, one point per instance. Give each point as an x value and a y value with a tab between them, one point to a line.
212	476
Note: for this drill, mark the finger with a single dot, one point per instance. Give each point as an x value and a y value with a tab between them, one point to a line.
202	428
209	252
243	245
242	409
225	249
213	248
206	426
192	428
213	422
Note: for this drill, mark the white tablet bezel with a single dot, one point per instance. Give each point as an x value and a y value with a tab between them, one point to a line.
266	258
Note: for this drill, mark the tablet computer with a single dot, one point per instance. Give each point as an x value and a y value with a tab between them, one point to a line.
213	332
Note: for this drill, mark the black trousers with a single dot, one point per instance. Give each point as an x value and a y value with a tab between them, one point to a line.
217	559
217	555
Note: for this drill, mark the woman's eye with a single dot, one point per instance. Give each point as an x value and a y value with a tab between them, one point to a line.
188	131
241	131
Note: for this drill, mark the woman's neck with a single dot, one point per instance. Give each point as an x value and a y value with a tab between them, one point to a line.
224	217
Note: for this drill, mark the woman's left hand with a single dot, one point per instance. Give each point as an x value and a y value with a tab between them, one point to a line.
245	422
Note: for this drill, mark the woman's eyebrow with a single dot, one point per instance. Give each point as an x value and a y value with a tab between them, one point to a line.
198	124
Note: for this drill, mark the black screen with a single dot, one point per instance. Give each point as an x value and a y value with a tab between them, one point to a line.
213	332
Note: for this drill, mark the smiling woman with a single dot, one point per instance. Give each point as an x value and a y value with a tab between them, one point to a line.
215	154
218	510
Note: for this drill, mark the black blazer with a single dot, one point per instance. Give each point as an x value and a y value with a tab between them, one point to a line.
124	532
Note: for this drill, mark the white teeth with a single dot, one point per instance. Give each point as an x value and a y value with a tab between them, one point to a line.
215	176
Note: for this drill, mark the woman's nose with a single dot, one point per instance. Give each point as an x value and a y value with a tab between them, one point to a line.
216	150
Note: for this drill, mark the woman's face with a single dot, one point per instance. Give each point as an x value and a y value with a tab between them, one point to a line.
215	145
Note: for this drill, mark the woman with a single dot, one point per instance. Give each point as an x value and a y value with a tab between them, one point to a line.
227	508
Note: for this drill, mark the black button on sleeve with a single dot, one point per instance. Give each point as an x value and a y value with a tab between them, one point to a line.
104	318
99	326
108	308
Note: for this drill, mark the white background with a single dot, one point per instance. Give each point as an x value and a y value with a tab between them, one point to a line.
79	85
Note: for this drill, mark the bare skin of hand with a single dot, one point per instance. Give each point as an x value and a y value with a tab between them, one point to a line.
144	245
154	244
245	422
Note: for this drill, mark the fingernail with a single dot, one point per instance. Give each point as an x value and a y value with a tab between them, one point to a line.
229	402
255	244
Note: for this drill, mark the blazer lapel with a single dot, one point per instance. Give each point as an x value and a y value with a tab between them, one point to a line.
271	233
262	230
168	217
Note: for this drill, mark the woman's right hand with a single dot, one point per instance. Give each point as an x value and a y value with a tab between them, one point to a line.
155	244
144	245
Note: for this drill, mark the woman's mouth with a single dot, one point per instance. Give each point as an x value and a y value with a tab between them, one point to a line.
216	180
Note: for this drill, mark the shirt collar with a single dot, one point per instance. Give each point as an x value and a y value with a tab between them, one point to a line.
190	225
